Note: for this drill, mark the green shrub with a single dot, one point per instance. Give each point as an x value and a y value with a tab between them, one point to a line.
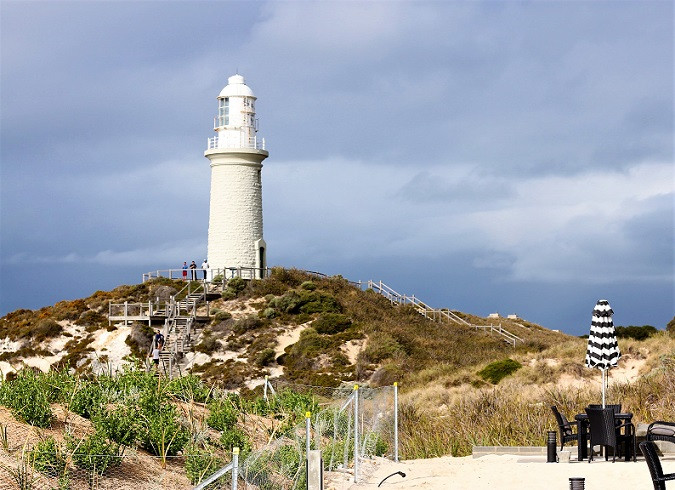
221	316
223	415
26	396
189	388
331	323
208	345
234	437
498	370
249	323
265	357
308	285
380	347
200	464
95	454
269	313
46	329
120	425
49	457
235	286
227	295
637	333
87	399
162	434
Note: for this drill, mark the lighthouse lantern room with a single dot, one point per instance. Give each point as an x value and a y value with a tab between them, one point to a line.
235	238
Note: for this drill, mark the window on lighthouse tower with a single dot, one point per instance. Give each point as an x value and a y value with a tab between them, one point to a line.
224	111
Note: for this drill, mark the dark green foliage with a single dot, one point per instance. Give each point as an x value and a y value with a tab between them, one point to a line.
234	437
200	464
189	388
49	457
26	396
381	347
331	323
120	425
223	414
249	323
235	287
160	430
221	316
95	454
46	329
87	399
671	327
265	357
637	333
303	301
498	370
308	285
208	344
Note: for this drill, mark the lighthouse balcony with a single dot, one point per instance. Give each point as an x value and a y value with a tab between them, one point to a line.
238	141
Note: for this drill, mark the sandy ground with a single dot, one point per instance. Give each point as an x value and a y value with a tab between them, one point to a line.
504	472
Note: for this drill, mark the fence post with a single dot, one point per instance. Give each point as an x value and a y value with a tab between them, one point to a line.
308	429
396	421
235	467
356	433
265	389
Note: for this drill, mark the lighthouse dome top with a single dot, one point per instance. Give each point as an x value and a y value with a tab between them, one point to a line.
236	87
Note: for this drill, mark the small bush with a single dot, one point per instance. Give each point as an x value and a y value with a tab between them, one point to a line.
331	323
221	316
381	347
223	415
189	388
236	284
269	313
265	357
26	396
637	333
208	345
94	453
200	464
87	400
48	457
45	329
308	285
249	323
119	425
234	437
498	370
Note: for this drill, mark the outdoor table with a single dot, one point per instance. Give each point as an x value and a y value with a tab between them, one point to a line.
582	431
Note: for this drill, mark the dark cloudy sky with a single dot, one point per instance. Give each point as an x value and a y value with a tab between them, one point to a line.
511	157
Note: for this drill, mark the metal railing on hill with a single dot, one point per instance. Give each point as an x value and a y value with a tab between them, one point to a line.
439	315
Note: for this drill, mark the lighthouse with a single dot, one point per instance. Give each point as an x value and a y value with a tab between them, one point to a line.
235	211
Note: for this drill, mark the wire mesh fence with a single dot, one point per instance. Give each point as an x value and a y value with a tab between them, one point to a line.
348	426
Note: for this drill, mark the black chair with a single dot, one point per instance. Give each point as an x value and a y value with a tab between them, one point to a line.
615	406
606	432
648	448
565	427
661	431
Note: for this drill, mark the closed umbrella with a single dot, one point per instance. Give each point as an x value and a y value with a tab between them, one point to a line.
603	350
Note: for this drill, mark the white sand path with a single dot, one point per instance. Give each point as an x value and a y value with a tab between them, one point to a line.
504	472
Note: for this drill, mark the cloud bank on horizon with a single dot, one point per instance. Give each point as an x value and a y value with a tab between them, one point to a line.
485	156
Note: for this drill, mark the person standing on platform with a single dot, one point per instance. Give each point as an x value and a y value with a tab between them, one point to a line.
193	270
205	267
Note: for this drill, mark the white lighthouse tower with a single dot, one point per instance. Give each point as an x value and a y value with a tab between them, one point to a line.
236	155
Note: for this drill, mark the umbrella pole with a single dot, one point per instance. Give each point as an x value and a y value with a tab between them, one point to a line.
604	378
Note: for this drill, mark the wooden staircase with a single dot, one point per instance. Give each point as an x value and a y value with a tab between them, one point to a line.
443	315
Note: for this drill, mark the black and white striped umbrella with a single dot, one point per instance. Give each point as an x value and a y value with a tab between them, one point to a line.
603	350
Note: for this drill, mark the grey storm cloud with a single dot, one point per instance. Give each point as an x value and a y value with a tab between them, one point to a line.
437	144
